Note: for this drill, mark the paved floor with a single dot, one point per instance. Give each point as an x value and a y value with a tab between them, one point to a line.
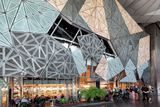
155	103
133	104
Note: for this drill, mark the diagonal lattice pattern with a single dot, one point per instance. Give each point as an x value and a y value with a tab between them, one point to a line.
39	55
58	4
44	55
78	59
143	55
12	64
109	67
132	26
61	62
91	46
35	16
33	48
93	13
130	73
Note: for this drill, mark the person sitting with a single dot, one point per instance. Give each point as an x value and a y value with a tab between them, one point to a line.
126	94
42	101
56	100
36	102
62	96
59	97
24	102
17	101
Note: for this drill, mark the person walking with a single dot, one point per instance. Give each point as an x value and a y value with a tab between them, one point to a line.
145	92
150	93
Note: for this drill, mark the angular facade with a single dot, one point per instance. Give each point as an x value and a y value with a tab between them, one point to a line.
37	55
25	16
39	38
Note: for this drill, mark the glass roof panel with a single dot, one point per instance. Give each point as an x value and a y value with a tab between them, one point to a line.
36	16
78	59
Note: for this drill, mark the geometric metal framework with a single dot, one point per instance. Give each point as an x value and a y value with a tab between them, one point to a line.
110	20
61	64
143	55
91	46
78	59
58	4
109	67
129	21
37	55
130	73
94	15
12	64
36	16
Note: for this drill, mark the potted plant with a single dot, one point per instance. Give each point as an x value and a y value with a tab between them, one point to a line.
93	94
84	95
101	94
62	102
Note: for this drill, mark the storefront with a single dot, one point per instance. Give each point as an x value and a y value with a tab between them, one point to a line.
47	87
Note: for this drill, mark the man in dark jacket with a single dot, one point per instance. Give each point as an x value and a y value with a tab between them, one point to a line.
145	91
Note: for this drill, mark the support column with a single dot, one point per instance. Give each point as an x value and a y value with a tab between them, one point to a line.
11	87
154	31
91	69
67	90
21	87
6	91
98	84
74	93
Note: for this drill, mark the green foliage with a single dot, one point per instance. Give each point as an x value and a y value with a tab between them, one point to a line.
63	100
101	93
92	93
84	93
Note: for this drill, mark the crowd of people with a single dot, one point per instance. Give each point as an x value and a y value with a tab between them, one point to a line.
116	94
38	101
133	92
20	102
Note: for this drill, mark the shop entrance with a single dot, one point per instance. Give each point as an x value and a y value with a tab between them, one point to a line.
32	87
